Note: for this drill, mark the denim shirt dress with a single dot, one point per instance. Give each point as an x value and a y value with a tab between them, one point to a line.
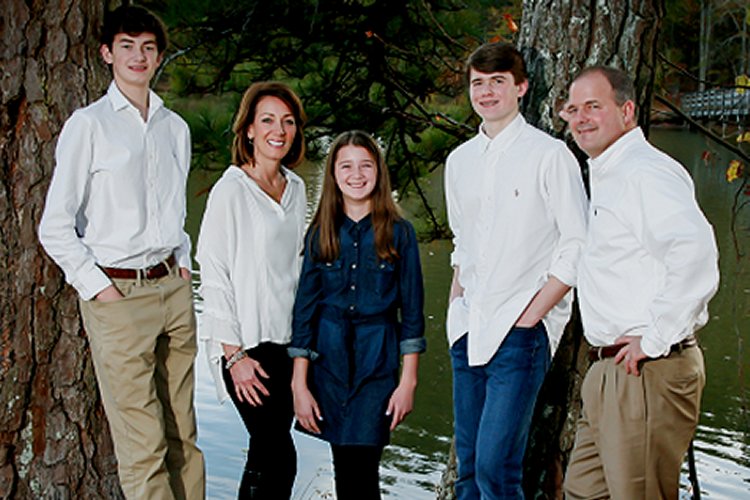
354	318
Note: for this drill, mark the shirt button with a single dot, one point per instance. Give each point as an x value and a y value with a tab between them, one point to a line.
353	287
356	244
354	266
351	307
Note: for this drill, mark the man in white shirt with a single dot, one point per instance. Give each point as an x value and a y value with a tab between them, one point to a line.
113	222
647	272
517	209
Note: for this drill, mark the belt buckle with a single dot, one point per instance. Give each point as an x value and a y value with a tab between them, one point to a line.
146	272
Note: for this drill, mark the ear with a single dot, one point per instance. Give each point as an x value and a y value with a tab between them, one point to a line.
250	132
523	87
628	112
106	53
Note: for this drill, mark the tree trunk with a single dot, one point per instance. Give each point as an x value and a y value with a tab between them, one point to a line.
54	438
558	38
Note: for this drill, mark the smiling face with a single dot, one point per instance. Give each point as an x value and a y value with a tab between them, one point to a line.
356	174
134	59
494	97
593	115
272	130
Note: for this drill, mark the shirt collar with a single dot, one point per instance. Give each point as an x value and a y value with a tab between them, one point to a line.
119	101
605	160
364	223
505	137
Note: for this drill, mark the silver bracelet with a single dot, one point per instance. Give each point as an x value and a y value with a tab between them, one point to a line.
234	358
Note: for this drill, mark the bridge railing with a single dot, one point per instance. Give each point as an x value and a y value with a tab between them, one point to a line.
717	103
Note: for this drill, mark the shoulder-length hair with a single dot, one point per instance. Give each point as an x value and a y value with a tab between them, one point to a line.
330	212
242	147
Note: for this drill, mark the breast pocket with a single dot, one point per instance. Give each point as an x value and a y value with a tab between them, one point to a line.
332	276
383	275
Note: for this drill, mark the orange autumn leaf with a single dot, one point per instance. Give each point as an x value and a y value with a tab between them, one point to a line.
744	137
495	39
512	26
734	171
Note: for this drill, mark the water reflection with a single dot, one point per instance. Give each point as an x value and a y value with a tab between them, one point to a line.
413	463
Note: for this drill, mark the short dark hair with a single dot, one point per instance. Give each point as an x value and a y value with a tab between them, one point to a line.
242	147
497	57
133	20
617	78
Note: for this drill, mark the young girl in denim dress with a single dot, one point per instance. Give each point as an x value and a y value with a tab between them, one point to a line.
357	312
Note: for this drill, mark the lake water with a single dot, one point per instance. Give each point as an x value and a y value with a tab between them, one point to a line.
413	463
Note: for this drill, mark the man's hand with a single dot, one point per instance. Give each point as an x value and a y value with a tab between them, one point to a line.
185	273
109	294
631	353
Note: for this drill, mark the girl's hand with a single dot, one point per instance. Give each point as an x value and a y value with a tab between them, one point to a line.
401	402
246	374
306	409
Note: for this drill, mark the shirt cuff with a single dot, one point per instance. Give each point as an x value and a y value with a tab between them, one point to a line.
410	346
652	346
90	284
298	352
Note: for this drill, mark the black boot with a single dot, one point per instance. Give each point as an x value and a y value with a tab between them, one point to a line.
251	487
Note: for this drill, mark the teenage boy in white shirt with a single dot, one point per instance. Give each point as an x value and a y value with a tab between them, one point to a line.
648	270
113	222
517	209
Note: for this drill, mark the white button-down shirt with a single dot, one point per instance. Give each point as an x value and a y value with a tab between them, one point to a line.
249	251
117	196
649	266
517	209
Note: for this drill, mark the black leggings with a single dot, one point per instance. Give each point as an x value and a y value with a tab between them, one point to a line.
355	469
271	457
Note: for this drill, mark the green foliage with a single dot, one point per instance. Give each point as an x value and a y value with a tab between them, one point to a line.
391	67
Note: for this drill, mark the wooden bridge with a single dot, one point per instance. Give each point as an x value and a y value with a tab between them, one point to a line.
726	105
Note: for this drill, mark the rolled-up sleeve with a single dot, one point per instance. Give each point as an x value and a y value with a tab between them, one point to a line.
567	201
411	331
454	214
306	305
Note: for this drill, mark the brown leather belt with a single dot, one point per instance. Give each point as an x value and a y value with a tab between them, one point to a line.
150	273
610	351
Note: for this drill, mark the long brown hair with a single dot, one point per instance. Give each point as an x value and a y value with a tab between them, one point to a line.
242	147
330	212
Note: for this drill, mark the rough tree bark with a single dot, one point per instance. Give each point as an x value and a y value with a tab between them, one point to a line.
558	38
54	439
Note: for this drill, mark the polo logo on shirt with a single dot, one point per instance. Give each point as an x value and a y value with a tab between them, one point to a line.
515	192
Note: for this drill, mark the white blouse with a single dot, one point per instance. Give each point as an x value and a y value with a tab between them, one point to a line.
249	251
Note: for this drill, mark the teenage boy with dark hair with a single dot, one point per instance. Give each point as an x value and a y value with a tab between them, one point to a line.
114	223
517	208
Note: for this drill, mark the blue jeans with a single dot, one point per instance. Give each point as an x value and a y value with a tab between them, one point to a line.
492	407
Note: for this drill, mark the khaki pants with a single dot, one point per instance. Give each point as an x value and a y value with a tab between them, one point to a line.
634	431
143	347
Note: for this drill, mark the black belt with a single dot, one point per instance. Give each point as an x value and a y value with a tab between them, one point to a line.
150	273
610	351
